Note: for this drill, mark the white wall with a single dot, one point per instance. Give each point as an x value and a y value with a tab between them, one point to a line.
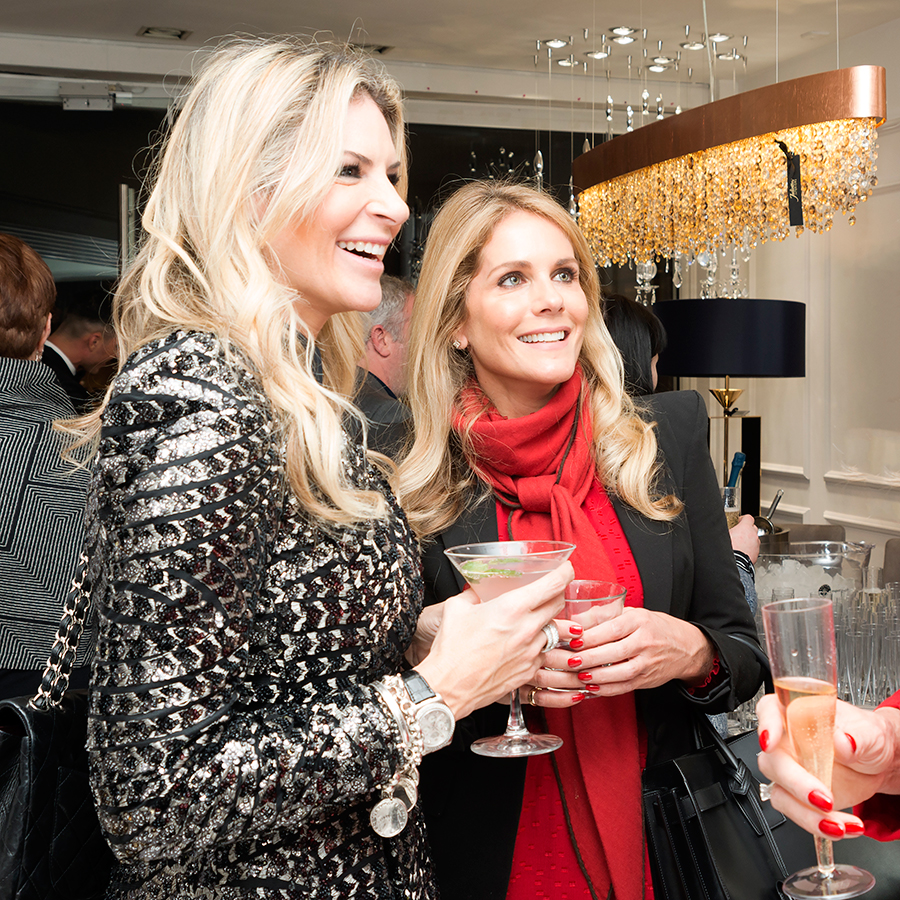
832	440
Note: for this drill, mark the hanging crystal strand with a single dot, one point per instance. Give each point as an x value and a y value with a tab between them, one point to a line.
659	107
539	170
645	102
586	146
677	279
629	111
609	106
573	203
645	273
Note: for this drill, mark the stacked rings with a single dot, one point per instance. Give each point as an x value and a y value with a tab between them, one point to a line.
552	634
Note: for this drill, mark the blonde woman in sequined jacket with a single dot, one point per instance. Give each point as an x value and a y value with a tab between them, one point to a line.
257	585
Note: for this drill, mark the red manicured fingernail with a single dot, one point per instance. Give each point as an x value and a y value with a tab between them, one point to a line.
576	629
585	676
577	698
853	747
763	740
832	829
574	662
820	801
593	688
854	828
576	644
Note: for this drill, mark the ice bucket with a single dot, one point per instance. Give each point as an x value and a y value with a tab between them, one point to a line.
811	569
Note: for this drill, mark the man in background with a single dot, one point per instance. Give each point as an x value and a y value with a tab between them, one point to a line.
81	345
383	380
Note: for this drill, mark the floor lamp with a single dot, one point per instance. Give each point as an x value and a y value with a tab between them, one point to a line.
725	337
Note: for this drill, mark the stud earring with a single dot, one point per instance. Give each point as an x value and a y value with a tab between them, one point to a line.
456	345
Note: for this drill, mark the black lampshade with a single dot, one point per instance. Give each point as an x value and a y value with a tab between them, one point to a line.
741	338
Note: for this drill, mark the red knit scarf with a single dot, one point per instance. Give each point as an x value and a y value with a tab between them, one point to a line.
540	467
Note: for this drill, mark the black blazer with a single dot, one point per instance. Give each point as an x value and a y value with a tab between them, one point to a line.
472	803
81	398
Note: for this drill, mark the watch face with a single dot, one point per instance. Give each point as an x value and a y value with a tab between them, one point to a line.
437	725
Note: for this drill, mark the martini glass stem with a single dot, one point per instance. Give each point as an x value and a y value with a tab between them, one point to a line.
515	725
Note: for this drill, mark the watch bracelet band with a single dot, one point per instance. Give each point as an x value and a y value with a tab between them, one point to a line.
392	693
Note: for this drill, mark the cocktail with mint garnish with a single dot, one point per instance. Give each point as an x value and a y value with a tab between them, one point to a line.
492	569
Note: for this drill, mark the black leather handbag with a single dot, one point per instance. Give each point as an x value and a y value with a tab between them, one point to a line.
51	846
709	836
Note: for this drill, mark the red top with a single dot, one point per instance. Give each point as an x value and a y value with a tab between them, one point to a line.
545	864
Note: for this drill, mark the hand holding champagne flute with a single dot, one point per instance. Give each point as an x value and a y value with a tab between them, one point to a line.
800	639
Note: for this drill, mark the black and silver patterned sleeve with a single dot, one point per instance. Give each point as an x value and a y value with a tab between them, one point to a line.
188	494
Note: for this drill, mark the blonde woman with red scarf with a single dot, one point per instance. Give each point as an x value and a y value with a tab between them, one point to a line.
524	430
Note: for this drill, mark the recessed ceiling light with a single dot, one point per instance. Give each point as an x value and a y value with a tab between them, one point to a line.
623	30
568	62
161	33
657	68
556	43
732	54
663	60
719	37
692	45
624	39
597	54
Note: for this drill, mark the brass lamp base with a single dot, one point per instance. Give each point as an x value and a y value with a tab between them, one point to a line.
727	397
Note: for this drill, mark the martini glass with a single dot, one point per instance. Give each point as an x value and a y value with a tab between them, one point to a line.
800	639
492	569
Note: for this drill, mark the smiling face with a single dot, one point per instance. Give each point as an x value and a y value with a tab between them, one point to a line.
525	314
333	259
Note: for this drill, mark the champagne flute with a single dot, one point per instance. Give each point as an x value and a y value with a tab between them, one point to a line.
800	639
492	569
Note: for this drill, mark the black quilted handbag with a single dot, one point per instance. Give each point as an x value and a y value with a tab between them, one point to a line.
51	847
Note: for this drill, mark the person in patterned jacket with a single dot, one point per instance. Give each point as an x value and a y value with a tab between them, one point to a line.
255	725
41	496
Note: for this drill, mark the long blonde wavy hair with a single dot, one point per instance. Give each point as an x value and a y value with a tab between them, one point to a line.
255	148
435	478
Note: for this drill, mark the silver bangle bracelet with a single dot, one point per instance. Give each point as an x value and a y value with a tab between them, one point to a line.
390	814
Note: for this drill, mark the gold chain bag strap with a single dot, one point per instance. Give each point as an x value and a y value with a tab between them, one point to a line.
51	845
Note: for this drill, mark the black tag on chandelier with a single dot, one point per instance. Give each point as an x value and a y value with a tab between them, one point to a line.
795	197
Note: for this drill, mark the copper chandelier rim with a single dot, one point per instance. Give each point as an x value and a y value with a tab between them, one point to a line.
858	92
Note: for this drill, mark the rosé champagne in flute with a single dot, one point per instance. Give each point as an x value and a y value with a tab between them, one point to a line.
800	639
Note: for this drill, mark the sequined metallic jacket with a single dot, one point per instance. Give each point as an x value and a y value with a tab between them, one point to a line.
237	745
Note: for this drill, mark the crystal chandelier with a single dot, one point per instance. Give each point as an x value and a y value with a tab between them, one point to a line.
735	173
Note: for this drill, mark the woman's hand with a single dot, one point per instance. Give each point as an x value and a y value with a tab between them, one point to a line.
637	649
866	762
483	651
